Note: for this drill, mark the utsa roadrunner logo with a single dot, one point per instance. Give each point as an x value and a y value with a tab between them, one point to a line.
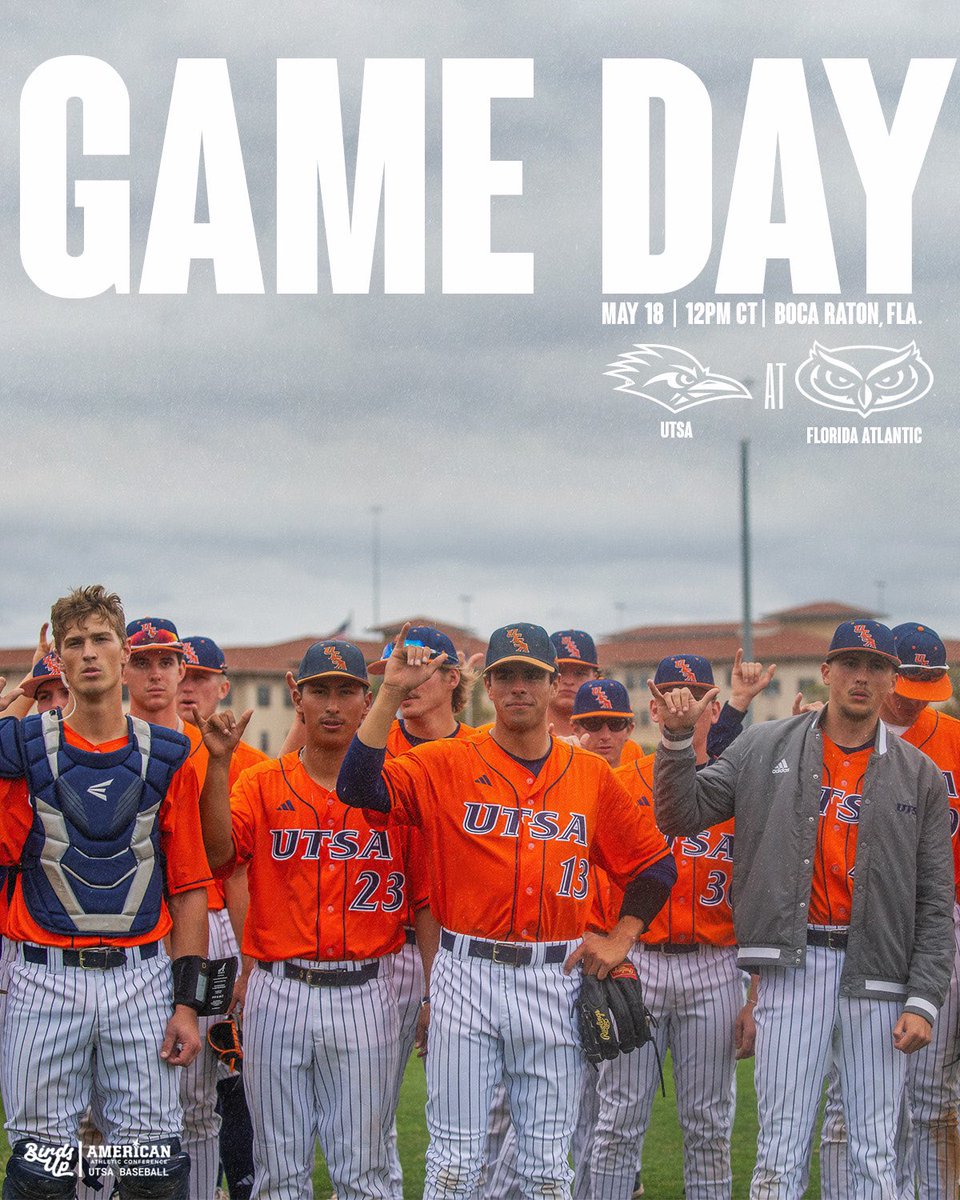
335	657
516	639
51	664
570	646
865	636
600	696
864	380
672	378
190	655
685	670
148	630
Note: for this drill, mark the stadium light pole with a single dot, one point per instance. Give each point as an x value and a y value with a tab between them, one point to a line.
376	511
745	555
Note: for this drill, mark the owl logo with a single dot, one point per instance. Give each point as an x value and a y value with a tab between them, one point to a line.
672	378
864	379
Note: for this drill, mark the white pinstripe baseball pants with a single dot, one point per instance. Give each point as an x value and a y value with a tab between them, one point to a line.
319	1062
695	999
198	1082
409	986
804	1024
488	1022
54	1018
928	1140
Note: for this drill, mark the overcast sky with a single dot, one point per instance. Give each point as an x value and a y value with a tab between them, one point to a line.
215	459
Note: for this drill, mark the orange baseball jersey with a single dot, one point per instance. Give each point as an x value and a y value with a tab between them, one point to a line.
511	851
841	789
181	840
630	753
938	736
398	742
698	907
244	756
324	883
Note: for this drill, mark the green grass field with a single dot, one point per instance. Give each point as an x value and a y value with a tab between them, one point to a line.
662	1158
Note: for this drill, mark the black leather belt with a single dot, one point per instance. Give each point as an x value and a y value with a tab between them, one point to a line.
91	958
410	936
318	977
672	947
833	939
507	954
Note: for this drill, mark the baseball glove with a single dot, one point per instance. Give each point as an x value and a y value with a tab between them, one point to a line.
611	1014
225	1041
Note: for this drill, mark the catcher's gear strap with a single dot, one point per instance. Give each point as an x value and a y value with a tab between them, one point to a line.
224	1039
204	984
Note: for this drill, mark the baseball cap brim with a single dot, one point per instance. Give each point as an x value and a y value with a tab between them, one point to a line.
601	712
580	662
339	674
209	670
139	648
523	658
923	689
32	686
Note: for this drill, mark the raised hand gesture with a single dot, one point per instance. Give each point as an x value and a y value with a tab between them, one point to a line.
221	731
748	679
677	708
409	666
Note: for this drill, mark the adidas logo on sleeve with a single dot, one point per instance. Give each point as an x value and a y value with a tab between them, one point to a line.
781	768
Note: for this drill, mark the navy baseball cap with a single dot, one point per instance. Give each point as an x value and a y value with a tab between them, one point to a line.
521	642
203	654
573	645
601	698
868	636
687	670
47	670
923	663
332	657
153	633
419	635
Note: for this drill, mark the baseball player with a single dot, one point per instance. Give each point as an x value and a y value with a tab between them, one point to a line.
523	815
687	964
99	816
576	654
929	1161
203	687
427	713
842	967
44	677
328	895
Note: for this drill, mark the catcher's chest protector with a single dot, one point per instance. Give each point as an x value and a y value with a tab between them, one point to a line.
92	863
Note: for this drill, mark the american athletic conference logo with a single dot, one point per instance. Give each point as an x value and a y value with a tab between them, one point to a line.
672	378
864	380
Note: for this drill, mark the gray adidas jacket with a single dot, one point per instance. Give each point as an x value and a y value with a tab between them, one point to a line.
901	942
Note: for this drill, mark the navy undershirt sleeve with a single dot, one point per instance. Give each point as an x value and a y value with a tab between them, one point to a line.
360	782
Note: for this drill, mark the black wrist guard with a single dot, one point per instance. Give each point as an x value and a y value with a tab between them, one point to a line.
205	985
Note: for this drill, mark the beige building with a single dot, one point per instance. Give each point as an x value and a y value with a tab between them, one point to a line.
793	638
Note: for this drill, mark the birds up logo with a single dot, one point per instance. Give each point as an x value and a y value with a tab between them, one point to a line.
516	638
685	670
865	636
864	380
600	696
335	657
671	378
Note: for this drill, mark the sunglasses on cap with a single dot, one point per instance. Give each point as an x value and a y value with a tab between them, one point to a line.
595	724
